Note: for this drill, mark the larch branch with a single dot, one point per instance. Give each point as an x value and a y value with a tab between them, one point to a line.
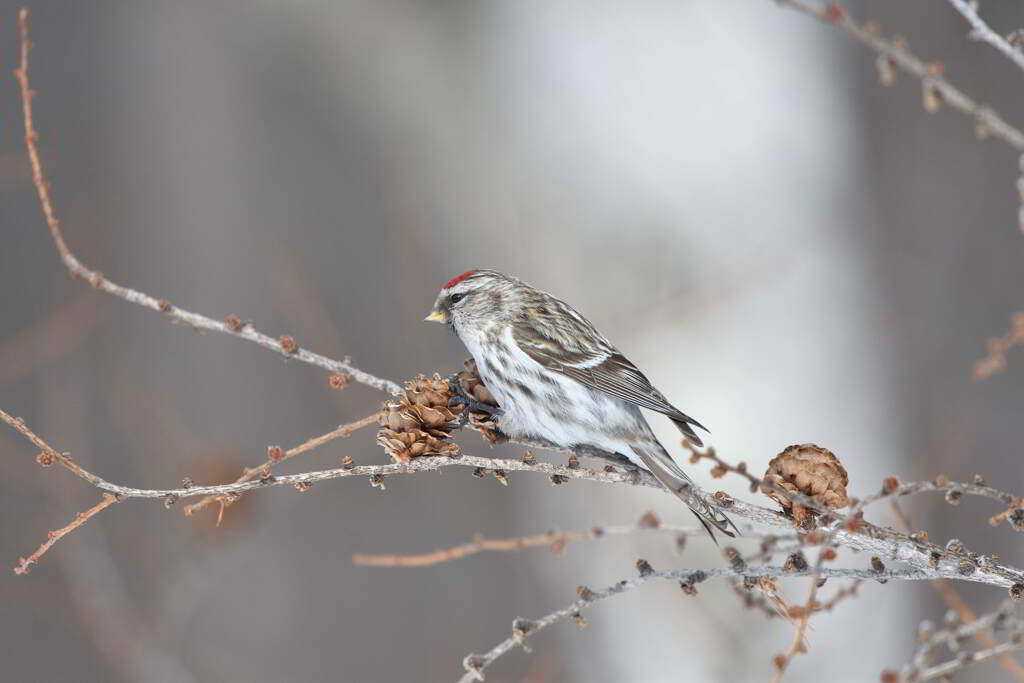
232	325
896	54
983	32
933	561
556	540
278	456
475	664
51	538
952	638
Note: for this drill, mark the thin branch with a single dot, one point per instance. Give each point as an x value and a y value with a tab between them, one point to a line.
925	561
983	32
232	325
933	561
952	598
688	578
891	489
50	455
556	540
276	455
853	523
51	538
936	89
798	643
952	638
895	54
1010	665
423	464
948	668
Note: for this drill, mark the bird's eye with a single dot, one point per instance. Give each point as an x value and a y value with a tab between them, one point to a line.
456	298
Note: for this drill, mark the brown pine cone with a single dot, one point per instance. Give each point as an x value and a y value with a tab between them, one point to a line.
812	471
473	386
418	420
471	383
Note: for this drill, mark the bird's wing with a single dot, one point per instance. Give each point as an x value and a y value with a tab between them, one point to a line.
601	367
558	345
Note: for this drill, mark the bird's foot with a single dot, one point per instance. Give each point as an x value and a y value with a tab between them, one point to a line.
473	405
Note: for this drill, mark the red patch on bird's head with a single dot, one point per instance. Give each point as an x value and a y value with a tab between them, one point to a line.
457	279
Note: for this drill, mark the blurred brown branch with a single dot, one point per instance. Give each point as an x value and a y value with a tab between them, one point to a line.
555	540
995	361
48	339
233	325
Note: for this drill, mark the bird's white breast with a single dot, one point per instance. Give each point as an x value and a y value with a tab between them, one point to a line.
541	403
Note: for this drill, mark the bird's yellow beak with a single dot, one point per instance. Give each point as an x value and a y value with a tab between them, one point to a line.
436	317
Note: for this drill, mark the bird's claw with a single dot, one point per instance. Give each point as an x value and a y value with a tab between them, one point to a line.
461	397
478	407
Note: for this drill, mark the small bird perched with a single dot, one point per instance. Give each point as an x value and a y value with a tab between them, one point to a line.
557	379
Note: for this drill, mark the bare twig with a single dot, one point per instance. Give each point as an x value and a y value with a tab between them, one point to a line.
797	645
924	560
556	540
232	325
51	538
1010	665
896	54
934	562
952	637
425	464
720	467
49	455
952	598
946	669
983	32
523	628
276	455
953	490
891	489
937	89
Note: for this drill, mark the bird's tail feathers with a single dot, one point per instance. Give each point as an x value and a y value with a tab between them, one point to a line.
686	427
665	470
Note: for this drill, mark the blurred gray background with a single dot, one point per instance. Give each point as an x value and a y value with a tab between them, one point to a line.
791	251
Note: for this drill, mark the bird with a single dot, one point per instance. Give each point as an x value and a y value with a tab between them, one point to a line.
557	379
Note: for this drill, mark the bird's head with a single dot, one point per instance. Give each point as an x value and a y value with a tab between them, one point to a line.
474	299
